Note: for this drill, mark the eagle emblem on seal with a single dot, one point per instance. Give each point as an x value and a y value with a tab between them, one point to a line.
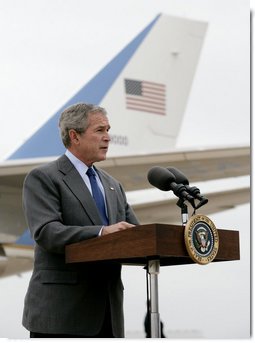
202	239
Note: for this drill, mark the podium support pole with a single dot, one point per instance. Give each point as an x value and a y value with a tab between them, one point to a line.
153	271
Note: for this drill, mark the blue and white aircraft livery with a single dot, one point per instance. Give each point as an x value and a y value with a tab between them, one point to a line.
147	83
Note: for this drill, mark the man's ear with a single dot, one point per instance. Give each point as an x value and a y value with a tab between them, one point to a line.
74	137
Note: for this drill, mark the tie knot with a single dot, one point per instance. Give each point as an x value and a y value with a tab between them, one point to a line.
90	172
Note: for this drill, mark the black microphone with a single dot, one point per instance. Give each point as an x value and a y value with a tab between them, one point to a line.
194	191
163	179
180	177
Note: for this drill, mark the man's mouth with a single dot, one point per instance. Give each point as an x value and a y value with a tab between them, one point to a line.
104	148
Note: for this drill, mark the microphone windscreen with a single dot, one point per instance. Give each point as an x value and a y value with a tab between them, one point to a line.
180	177
161	178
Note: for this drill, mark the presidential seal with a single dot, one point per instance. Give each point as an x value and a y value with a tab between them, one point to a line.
201	239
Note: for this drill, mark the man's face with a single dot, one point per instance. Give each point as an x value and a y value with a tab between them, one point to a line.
92	145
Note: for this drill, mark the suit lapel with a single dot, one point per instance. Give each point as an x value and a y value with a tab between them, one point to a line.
77	186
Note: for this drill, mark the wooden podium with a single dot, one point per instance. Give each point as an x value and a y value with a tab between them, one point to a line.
152	246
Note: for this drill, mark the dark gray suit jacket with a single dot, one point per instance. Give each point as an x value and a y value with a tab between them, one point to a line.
70	298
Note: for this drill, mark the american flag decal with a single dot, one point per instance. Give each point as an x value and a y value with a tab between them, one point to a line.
145	96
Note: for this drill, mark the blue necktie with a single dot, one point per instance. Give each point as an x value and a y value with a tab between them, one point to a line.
97	195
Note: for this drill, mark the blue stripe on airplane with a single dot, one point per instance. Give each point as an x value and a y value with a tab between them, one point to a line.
46	142
25	239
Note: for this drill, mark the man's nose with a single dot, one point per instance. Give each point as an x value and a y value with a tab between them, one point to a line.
107	137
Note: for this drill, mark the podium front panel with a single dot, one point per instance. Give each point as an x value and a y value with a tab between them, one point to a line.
139	244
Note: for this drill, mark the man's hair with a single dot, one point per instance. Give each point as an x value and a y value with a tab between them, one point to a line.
76	117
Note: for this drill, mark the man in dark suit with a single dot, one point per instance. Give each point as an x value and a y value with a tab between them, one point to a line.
75	300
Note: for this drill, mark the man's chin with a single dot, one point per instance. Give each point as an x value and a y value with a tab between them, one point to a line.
102	157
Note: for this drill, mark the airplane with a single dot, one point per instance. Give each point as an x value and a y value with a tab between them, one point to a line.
145	89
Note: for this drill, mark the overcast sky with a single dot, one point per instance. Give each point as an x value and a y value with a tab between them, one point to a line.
51	48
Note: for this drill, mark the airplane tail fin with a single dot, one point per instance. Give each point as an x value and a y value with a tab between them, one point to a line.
144	89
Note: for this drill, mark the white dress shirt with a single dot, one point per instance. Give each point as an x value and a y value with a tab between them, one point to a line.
82	170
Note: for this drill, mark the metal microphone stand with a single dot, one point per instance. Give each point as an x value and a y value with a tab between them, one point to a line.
152	298
152	269
184	211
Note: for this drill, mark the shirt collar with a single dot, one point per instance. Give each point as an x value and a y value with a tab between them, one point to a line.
78	164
